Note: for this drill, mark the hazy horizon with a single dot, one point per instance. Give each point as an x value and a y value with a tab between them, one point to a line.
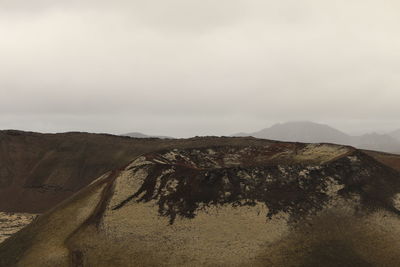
138	131
183	68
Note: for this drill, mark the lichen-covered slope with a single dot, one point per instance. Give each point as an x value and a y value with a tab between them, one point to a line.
275	204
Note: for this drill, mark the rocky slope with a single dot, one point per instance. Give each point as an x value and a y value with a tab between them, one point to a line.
239	204
10	223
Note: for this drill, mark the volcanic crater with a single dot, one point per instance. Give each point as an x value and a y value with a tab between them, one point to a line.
246	203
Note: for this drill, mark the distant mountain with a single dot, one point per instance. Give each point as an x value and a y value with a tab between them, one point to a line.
307	132
311	132
141	135
395	134
374	141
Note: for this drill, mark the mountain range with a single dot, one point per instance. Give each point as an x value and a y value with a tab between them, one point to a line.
311	132
142	135
395	134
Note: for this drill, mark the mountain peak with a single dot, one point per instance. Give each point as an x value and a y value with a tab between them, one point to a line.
302	131
395	134
142	135
312	132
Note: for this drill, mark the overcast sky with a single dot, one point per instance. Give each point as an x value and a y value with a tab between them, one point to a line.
198	67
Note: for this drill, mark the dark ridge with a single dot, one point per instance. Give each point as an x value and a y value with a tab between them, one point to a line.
15	246
96	216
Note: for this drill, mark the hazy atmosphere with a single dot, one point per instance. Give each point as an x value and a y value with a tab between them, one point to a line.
184	68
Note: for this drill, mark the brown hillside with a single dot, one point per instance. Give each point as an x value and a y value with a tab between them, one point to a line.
260	204
37	171
392	160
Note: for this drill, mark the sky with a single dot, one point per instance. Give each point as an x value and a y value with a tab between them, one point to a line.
198	67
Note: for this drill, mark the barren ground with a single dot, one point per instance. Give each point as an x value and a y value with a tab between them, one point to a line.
11	223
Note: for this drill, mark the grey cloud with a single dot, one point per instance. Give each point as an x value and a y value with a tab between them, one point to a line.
202	66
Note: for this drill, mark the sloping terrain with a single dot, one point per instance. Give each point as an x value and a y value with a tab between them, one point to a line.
234	204
391	160
38	171
10	223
